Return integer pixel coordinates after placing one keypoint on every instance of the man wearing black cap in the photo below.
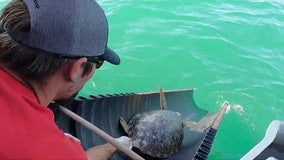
(48, 50)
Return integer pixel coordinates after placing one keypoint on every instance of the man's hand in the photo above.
(126, 141)
(106, 151)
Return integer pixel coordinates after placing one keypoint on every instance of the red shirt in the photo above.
(27, 129)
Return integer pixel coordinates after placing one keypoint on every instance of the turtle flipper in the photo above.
(197, 126)
(123, 124)
(193, 126)
(163, 101)
(189, 124)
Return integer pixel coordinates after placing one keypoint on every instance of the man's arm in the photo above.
(106, 151)
(101, 152)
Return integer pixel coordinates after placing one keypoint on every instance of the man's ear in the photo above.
(76, 69)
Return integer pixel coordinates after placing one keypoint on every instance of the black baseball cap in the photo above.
(74, 28)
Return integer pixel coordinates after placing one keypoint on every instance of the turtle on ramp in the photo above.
(157, 133)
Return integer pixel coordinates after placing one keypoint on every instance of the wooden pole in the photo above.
(101, 133)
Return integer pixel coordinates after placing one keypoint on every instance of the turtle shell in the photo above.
(156, 133)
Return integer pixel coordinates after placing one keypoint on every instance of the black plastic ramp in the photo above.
(104, 111)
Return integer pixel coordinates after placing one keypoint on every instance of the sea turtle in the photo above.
(157, 133)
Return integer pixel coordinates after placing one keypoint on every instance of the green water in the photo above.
(227, 50)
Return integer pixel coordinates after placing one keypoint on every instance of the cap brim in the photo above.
(111, 56)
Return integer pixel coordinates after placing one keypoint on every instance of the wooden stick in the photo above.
(101, 133)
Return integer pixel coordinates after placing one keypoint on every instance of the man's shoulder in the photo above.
(33, 133)
(28, 130)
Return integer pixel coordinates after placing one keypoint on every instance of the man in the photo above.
(49, 49)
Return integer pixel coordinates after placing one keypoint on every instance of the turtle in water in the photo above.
(157, 133)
